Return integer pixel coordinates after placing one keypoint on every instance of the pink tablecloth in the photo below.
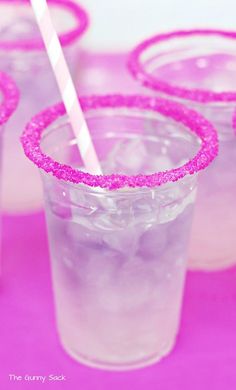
(204, 356)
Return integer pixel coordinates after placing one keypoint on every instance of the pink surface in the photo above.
(204, 356)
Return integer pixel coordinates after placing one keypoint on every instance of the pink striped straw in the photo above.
(66, 86)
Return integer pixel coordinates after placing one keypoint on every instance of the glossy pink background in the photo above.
(204, 356)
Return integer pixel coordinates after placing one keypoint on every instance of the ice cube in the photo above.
(132, 289)
(103, 222)
(158, 164)
(98, 269)
(153, 242)
(127, 157)
(179, 231)
(61, 210)
(145, 210)
(174, 201)
(124, 241)
(80, 234)
(114, 220)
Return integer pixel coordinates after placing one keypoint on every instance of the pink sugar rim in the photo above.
(10, 95)
(65, 38)
(32, 135)
(200, 95)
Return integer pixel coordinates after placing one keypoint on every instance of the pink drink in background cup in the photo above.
(197, 67)
(119, 242)
(25, 58)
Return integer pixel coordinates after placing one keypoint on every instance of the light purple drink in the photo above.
(24, 57)
(118, 242)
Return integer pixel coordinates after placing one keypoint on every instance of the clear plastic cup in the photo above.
(9, 98)
(197, 67)
(118, 242)
(23, 55)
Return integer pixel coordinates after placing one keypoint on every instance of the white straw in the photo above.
(66, 86)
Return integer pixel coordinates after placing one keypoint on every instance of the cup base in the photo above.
(216, 265)
(128, 366)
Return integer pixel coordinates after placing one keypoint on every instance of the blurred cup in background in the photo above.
(23, 55)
